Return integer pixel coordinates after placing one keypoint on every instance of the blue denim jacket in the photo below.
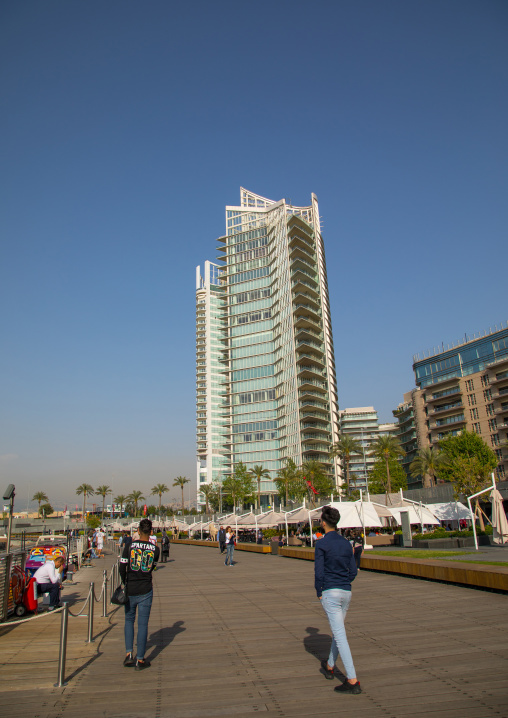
(334, 563)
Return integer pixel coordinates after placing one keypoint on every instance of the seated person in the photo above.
(49, 579)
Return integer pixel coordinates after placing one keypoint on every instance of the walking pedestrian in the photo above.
(138, 561)
(230, 546)
(334, 570)
(222, 539)
(165, 546)
(357, 546)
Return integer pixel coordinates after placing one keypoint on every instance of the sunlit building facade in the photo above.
(277, 392)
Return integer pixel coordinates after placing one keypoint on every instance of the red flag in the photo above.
(309, 484)
(144, 509)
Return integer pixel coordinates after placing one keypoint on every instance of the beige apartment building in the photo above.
(464, 386)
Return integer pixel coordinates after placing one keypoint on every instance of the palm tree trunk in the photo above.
(103, 502)
(347, 477)
(388, 483)
(183, 506)
(84, 504)
(259, 493)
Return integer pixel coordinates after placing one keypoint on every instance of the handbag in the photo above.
(120, 597)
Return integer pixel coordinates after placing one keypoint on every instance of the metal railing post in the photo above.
(105, 594)
(91, 599)
(63, 647)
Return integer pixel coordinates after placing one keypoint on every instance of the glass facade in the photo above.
(278, 396)
(471, 357)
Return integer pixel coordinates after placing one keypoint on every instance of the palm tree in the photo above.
(86, 490)
(181, 481)
(386, 448)
(314, 472)
(427, 463)
(259, 473)
(287, 477)
(39, 496)
(121, 499)
(207, 490)
(103, 491)
(135, 496)
(345, 448)
(159, 489)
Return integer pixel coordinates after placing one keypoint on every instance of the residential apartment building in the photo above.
(275, 386)
(465, 386)
(210, 389)
(362, 424)
(411, 431)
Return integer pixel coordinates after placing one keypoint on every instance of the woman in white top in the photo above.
(230, 546)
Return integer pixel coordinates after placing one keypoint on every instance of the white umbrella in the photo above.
(499, 521)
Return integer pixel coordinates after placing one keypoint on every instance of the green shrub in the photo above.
(268, 533)
(440, 533)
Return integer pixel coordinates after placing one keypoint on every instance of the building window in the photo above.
(500, 471)
(474, 413)
(499, 454)
(490, 409)
(471, 399)
(487, 394)
(492, 424)
(477, 428)
(469, 385)
(494, 438)
(485, 380)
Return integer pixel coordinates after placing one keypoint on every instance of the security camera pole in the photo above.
(9, 496)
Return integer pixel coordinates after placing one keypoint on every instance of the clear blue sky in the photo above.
(127, 127)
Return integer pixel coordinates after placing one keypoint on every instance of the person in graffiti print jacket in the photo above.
(137, 563)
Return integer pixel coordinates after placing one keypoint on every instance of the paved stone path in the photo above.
(249, 639)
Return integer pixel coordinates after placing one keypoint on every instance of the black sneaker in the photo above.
(141, 665)
(129, 661)
(328, 674)
(347, 687)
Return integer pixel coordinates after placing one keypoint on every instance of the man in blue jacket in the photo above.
(334, 570)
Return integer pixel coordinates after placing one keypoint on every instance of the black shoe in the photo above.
(329, 674)
(349, 688)
(141, 665)
(129, 661)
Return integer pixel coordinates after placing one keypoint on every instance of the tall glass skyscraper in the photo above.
(266, 385)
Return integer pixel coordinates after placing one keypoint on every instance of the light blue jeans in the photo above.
(230, 547)
(336, 602)
(144, 604)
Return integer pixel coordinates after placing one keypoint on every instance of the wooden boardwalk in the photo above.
(249, 639)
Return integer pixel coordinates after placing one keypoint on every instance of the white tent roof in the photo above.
(272, 518)
(450, 511)
(302, 514)
(417, 515)
(354, 514)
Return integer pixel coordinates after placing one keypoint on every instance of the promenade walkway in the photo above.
(249, 639)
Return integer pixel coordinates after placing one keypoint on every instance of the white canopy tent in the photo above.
(449, 511)
(418, 514)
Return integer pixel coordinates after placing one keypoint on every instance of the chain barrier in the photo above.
(65, 611)
(86, 600)
(6, 624)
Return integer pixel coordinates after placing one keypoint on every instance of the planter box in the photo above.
(453, 542)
